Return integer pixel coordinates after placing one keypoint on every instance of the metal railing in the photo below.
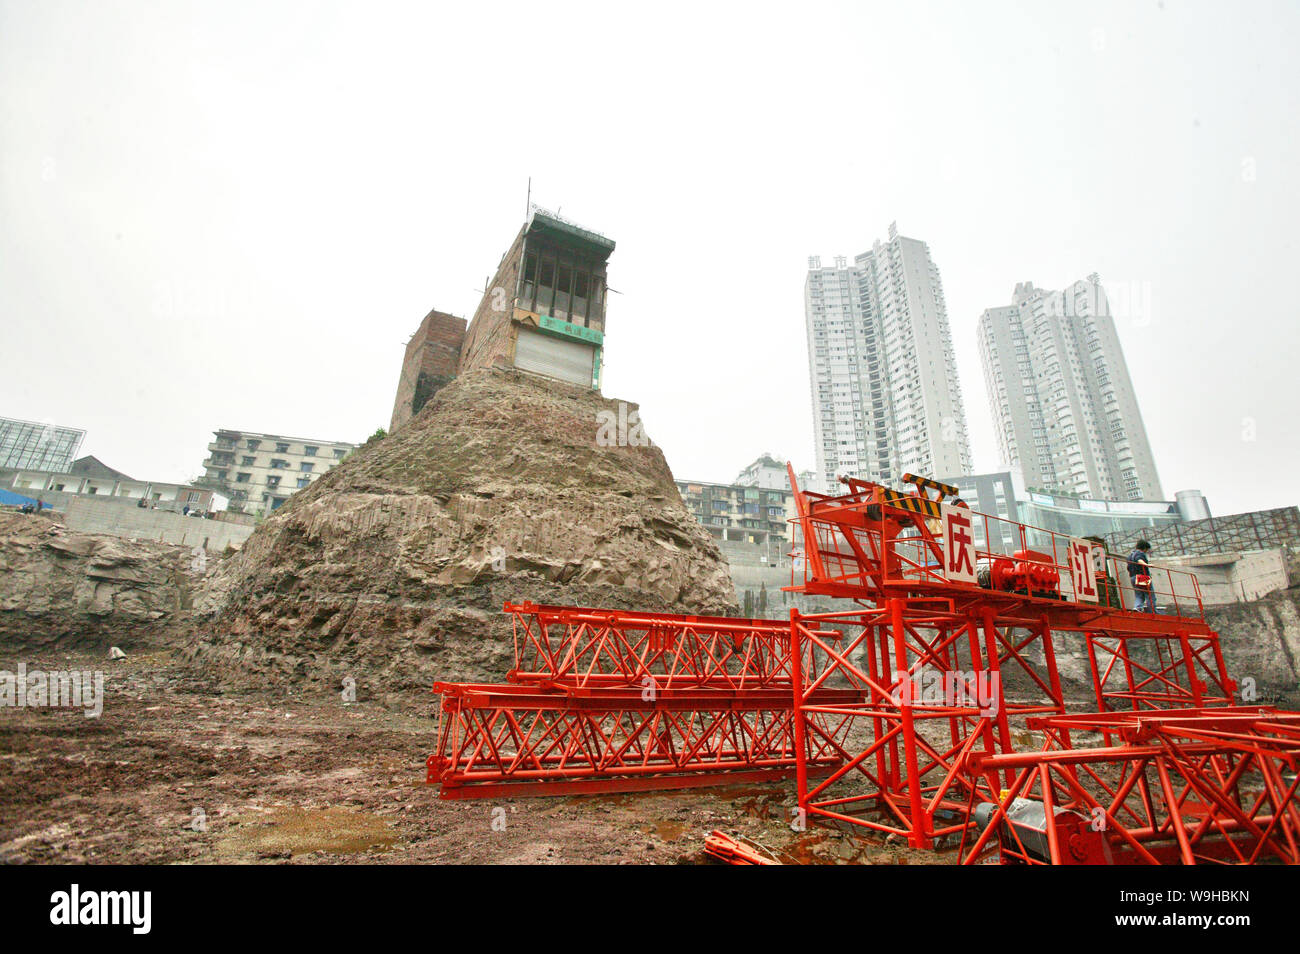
(859, 556)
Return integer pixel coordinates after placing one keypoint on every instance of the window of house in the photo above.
(593, 306)
(310, 450)
(242, 478)
(304, 481)
(563, 281)
(248, 461)
(305, 466)
(581, 281)
(279, 464)
(282, 448)
(254, 445)
(529, 280)
(273, 480)
(545, 286)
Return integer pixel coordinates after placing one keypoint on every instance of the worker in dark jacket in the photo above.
(1139, 572)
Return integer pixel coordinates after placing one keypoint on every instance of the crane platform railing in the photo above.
(874, 541)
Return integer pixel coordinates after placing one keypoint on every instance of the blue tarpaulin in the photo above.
(10, 499)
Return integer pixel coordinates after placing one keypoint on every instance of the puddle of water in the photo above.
(819, 846)
(669, 830)
(300, 830)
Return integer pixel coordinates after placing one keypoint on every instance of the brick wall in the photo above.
(432, 356)
(490, 340)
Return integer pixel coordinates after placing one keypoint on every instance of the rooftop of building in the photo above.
(91, 466)
(542, 220)
(237, 435)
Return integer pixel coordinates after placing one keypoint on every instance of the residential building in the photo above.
(544, 310)
(1063, 403)
(767, 471)
(89, 477)
(34, 445)
(259, 472)
(743, 515)
(885, 394)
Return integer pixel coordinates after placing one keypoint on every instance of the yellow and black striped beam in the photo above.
(911, 503)
(948, 489)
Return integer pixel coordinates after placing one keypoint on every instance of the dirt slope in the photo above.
(69, 590)
(393, 567)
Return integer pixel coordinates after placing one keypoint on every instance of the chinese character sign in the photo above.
(1081, 570)
(958, 544)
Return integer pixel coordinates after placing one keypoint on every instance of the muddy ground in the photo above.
(176, 770)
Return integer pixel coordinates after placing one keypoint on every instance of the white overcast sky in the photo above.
(234, 214)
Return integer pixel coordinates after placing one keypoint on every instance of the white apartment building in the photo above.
(261, 471)
(1063, 404)
(767, 471)
(883, 373)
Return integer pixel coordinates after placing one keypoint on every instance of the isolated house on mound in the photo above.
(543, 313)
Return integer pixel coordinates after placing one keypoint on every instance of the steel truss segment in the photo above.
(495, 746)
(616, 700)
(1186, 786)
(599, 648)
(933, 698)
(1173, 670)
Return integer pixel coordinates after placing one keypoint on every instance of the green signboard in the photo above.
(566, 329)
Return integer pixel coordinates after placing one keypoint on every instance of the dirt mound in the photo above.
(1261, 642)
(392, 568)
(67, 590)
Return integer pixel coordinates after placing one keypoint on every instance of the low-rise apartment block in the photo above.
(259, 472)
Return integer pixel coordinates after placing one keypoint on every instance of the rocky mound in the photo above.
(67, 590)
(1261, 642)
(392, 569)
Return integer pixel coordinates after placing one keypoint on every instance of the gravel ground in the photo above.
(175, 770)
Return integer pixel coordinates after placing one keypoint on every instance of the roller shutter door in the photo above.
(571, 361)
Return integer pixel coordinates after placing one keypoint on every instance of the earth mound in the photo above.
(392, 568)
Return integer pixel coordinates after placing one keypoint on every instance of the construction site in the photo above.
(497, 635)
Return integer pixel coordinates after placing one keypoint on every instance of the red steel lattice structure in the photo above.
(610, 700)
(1178, 786)
(933, 710)
(1182, 774)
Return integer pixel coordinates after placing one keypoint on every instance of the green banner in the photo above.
(567, 329)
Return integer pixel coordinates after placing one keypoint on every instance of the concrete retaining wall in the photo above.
(96, 516)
